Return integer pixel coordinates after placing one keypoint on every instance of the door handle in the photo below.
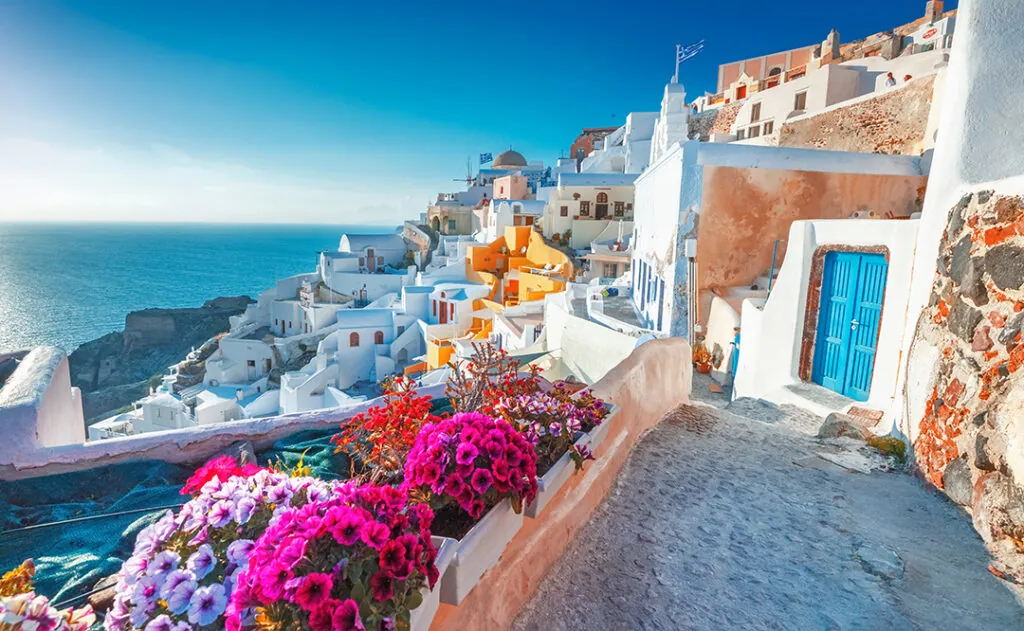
(853, 324)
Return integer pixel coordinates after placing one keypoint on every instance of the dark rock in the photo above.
(981, 456)
(242, 452)
(961, 257)
(933, 299)
(103, 600)
(837, 424)
(979, 419)
(1005, 264)
(938, 403)
(981, 341)
(984, 196)
(973, 283)
(956, 481)
(113, 369)
(1012, 328)
(957, 216)
(963, 319)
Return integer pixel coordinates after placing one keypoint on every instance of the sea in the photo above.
(65, 284)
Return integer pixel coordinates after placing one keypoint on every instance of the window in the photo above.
(380, 260)
(741, 134)
(629, 205)
(769, 127)
(435, 308)
(451, 310)
(501, 190)
(610, 270)
(353, 339)
(451, 224)
(275, 321)
(584, 209)
(800, 103)
(755, 113)
(564, 211)
(251, 363)
(378, 337)
(529, 220)
(362, 262)
(754, 131)
(517, 221)
(289, 324)
(620, 209)
(602, 198)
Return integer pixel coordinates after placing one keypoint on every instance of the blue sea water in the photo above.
(65, 284)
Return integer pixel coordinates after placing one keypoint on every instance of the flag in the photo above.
(485, 158)
(687, 52)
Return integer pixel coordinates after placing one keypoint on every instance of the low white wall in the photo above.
(771, 338)
(38, 406)
(587, 348)
(189, 445)
(721, 332)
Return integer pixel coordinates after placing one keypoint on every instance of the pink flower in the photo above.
(482, 480)
(314, 590)
(375, 534)
(346, 617)
(273, 579)
(476, 509)
(466, 453)
(392, 558)
(347, 525)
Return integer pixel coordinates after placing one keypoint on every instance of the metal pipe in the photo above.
(90, 518)
(771, 272)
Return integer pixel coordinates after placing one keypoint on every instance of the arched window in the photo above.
(353, 339)
(378, 337)
(775, 71)
(602, 198)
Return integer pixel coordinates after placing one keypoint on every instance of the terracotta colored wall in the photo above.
(894, 123)
(651, 382)
(745, 210)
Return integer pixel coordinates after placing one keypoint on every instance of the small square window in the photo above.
(754, 131)
(741, 134)
(769, 127)
(251, 363)
(800, 103)
(564, 211)
(584, 209)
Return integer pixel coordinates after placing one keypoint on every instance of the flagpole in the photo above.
(675, 77)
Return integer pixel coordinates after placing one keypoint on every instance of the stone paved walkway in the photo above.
(712, 525)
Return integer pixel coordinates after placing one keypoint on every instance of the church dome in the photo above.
(509, 160)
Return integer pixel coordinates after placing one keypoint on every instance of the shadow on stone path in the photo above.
(711, 525)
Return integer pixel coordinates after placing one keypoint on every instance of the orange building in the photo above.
(587, 141)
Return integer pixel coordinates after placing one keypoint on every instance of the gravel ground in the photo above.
(725, 519)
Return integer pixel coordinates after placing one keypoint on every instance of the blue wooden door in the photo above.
(852, 290)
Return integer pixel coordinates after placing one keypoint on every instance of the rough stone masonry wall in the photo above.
(716, 121)
(971, 435)
(893, 123)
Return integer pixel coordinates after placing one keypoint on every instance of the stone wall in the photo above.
(971, 437)
(716, 121)
(895, 122)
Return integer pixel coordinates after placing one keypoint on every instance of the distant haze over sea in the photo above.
(65, 284)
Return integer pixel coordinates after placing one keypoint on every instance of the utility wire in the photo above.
(135, 511)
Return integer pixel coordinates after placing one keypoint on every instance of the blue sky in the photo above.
(339, 112)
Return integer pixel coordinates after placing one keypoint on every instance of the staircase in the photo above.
(735, 296)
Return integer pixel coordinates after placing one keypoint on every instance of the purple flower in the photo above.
(171, 582)
(179, 598)
(481, 480)
(244, 510)
(133, 569)
(162, 622)
(163, 563)
(219, 514)
(279, 494)
(239, 551)
(207, 604)
(201, 563)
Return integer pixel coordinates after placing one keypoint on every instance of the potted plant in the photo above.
(701, 358)
(185, 566)
(359, 558)
(21, 609)
(477, 473)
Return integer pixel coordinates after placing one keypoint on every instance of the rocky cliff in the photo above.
(112, 370)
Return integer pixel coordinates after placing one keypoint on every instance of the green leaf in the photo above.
(354, 571)
(358, 591)
(414, 600)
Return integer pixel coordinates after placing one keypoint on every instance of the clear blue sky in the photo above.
(340, 111)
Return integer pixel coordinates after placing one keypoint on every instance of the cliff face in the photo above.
(112, 370)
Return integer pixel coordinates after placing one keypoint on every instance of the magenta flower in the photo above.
(347, 526)
(382, 587)
(466, 453)
(346, 617)
(314, 589)
(375, 534)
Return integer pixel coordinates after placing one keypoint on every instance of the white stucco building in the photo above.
(587, 204)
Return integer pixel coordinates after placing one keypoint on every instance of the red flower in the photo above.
(346, 617)
(392, 558)
(321, 619)
(382, 587)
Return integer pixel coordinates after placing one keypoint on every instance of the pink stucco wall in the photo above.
(745, 210)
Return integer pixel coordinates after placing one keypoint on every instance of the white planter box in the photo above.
(549, 483)
(479, 551)
(597, 435)
(422, 616)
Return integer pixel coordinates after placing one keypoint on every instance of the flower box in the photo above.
(549, 483)
(479, 551)
(597, 435)
(422, 617)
